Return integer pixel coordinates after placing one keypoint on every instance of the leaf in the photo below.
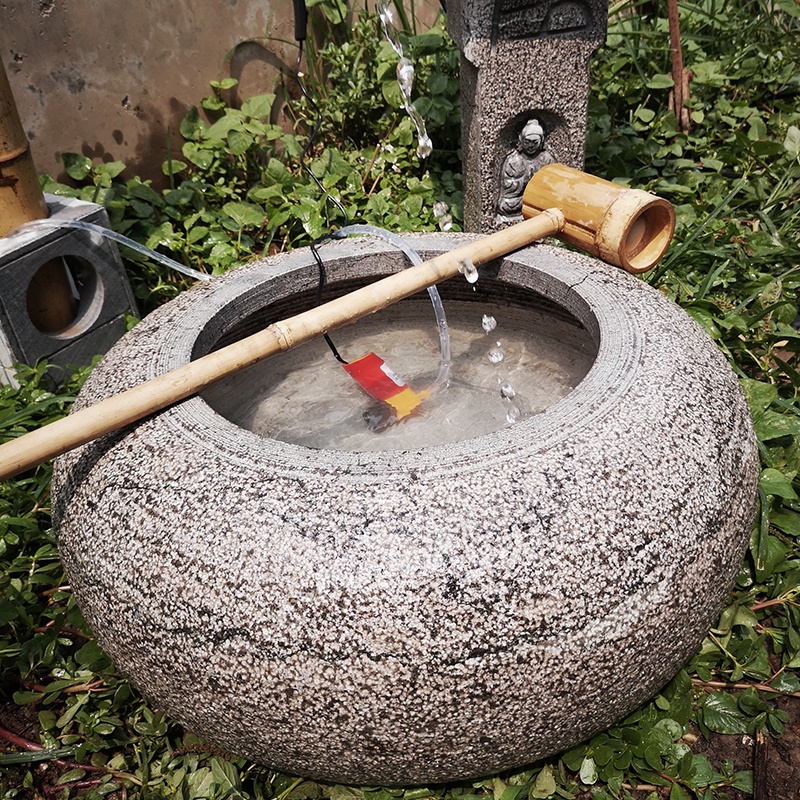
(574, 758)
(239, 142)
(391, 93)
(173, 167)
(759, 395)
(721, 714)
(545, 785)
(792, 141)
(110, 169)
(775, 483)
(588, 772)
(677, 792)
(225, 83)
(192, 125)
(199, 156)
(259, 106)
(787, 521)
(245, 214)
(226, 776)
(758, 129)
(23, 698)
(76, 165)
(71, 775)
(772, 425)
(338, 792)
(660, 82)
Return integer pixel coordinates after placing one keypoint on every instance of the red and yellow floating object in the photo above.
(380, 381)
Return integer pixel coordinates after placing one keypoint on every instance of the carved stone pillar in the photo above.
(521, 60)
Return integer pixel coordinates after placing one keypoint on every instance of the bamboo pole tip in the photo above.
(636, 230)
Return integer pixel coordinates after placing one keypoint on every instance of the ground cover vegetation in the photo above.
(70, 726)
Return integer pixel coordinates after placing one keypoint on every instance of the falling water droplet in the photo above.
(496, 354)
(405, 75)
(488, 323)
(440, 213)
(507, 390)
(468, 270)
(513, 414)
(425, 146)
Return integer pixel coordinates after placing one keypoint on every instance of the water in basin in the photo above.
(305, 397)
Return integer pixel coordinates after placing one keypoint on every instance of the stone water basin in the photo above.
(414, 614)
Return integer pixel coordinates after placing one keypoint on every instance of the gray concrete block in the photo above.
(104, 295)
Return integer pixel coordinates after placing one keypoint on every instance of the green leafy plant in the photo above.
(236, 188)
(240, 188)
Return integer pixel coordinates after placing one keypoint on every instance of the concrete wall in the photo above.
(107, 78)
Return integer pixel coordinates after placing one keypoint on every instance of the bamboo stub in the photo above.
(626, 227)
(50, 304)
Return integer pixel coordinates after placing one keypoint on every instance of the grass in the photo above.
(73, 727)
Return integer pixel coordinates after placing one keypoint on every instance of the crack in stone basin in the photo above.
(305, 397)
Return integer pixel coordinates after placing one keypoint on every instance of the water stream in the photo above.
(405, 78)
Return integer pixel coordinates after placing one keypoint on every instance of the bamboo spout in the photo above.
(625, 227)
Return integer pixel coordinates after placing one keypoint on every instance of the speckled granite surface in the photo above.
(422, 616)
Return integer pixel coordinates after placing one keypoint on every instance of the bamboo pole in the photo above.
(123, 409)
(626, 227)
(21, 199)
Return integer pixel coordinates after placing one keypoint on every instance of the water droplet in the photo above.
(507, 390)
(425, 146)
(445, 223)
(496, 355)
(488, 323)
(468, 270)
(405, 75)
(439, 209)
(513, 414)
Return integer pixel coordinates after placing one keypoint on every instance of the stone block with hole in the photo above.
(100, 295)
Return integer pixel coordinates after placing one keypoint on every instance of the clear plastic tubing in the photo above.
(366, 230)
(433, 292)
(99, 230)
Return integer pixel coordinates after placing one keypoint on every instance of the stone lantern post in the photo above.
(524, 93)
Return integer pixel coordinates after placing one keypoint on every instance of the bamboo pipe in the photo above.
(120, 410)
(595, 220)
(625, 227)
(51, 306)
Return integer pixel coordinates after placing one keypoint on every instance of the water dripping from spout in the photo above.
(488, 323)
(468, 270)
(496, 354)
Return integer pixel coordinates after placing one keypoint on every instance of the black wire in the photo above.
(317, 124)
(320, 286)
(327, 195)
